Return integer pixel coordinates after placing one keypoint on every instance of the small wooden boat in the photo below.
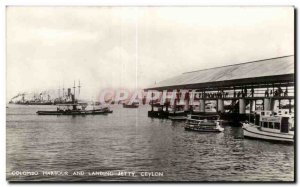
(132, 105)
(203, 123)
(270, 128)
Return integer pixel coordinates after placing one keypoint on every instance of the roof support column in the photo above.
(242, 106)
(267, 104)
(221, 105)
(202, 105)
(290, 106)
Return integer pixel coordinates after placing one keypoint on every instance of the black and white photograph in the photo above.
(150, 94)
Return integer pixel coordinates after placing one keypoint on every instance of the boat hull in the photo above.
(251, 131)
(33, 103)
(177, 118)
(203, 130)
(87, 112)
(130, 106)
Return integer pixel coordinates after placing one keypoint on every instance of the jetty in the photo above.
(235, 89)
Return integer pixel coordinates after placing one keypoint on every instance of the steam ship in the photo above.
(69, 105)
(37, 99)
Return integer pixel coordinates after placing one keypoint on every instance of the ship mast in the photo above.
(79, 88)
(74, 89)
(59, 91)
(63, 89)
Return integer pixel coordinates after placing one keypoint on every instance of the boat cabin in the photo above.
(71, 107)
(203, 123)
(264, 112)
(276, 124)
(283, 112)
(202, 120)
(203, 117)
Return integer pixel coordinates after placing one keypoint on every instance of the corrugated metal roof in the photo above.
(262, 68)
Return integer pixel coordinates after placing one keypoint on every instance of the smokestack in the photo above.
(69, 92)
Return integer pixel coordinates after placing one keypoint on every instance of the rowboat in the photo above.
(132, 105)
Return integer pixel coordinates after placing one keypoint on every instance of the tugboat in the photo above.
(269, 127)
(203, 123)
(74, 108)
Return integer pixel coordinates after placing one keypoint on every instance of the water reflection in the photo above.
(130, 142)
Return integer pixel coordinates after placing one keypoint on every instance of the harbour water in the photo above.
(129, 141)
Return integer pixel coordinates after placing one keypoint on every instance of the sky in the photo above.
(134, 47)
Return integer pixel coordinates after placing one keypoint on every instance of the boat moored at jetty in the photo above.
(269, 127)
(177, 115)
(177, 118)
(203, 123)
(132, 105)
(286, 113)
